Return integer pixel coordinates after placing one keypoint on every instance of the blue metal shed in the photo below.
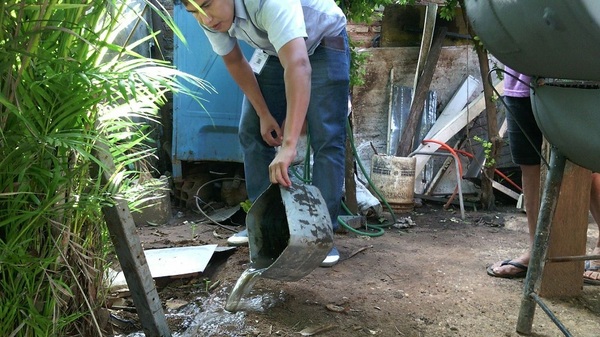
(206, 133)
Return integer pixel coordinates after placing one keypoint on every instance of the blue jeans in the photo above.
(326, 118)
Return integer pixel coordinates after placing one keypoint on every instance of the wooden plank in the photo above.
(446, 166)
(349, 173)
(505, 190)
(456, 104)
(426, 40)
(132, 259)
(446, 126)
(568, 235)
(450, 122)
(400, 97)
(392, 125)
(421, 92)
(370, 101)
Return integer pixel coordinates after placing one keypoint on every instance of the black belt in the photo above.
(334, 42)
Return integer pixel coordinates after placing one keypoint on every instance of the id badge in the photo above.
(258, 60)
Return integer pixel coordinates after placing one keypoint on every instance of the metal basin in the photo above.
(545, 38)
(289, 232)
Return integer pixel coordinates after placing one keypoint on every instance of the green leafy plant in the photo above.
(246, 205)
(357, 70)
(490, 161)
(359, 11)
(74, 88)
(193, 226)
(447, 11)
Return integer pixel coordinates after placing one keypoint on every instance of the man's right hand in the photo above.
(271, 131)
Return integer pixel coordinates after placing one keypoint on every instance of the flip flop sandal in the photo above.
(589, 267)
(520, 274)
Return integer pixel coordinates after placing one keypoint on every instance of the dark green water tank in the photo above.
(545, 38)
(557, 42)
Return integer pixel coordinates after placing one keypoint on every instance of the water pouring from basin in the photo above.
(242, 287)
(289, 234)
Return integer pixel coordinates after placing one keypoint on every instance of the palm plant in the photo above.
(71, 85)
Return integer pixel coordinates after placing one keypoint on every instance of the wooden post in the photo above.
(568, 231)
(426, 39)
(568, 235)
(132, 259)
(349, 182)
(421, 91)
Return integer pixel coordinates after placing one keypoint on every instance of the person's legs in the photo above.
(326, 117)
(522, 132)
(530, 176)
(592, 273)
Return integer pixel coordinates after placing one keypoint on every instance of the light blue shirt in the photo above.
(270, 24)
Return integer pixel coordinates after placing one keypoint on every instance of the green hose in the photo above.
(378, 228)
(373, 230)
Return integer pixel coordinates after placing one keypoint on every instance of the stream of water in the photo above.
(242, 287)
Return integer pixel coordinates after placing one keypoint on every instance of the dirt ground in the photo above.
(426, 280)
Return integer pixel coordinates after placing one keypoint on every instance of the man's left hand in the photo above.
(278, 169)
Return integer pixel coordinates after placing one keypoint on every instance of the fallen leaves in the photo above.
(312, 331)
(335, 308)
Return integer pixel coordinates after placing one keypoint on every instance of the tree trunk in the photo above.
(487, 191)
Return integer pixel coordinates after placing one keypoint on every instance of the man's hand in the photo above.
(270, 131)
(278, 169)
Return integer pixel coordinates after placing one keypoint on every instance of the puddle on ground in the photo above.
(210, 318)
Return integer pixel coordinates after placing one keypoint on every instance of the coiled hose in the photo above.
(372, 230)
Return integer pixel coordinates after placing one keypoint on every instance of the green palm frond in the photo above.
(73, 83)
